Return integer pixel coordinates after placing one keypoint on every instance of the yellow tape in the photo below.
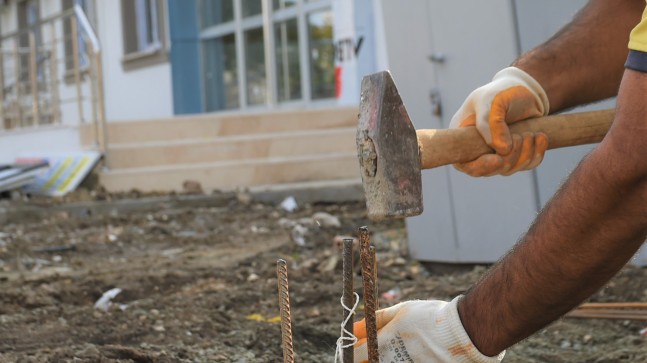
(57, 174)
(70, 177)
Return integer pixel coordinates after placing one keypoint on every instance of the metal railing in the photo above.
(51, 73)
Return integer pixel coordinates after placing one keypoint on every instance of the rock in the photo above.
(159, 326)
(252, 277)
(313, 313)
(330, 264)
(187, 233)
(415, 270)
(309, 263)
(192, 187)
(326, 220)
(88, 350)
(298, 234)
(256, 229)
(307, 221)
(394, 240)
(398, 261)
(243, 196)
(286, 223)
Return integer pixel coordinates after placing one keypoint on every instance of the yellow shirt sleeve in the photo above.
(638, 37)
(637, 57)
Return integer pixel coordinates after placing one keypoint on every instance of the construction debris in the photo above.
(15, 176)
(105, 301)
(289, 204)
(208, 272)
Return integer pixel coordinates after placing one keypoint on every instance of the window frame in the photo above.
(268, 18)
(23, 29)
(84, 65)
(156, 54)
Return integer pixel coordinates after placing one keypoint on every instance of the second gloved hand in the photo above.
(420, 331)
(513, 95)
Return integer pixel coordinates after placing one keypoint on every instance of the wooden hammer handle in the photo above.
(449, 146)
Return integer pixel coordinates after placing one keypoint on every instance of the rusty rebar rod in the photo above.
(284, 306)
(614, 305)
(348, 296)
(624, 314)
(371, 249)
(369, 295)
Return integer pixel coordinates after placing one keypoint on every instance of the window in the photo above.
(235, 51)
(216, 12)
(288, 70)
(28, 19)
(281, 4)
(88, 8)
(143, 31)
(255, 66)
(251, 8)
(322, 52)
(221, 76)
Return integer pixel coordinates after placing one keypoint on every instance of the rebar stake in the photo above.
(369, 295)
(284, 306)
(348, 296)
(377, 293)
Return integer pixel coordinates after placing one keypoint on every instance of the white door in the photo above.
(408, 36)
(470, 41)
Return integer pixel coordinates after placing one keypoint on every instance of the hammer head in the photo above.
(387, 148)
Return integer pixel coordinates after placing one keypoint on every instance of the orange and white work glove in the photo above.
(420, 331)
(513, 95)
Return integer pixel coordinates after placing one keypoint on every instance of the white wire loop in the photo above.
(345, 335)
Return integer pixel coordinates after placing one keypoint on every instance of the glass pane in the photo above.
(322, 53)
(255, 66)
(281, 4)
(251, 7)
(214, 12)
(220, 73)
(288, 72)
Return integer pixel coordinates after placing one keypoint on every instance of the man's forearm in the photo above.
(583, 62)
(590, 229)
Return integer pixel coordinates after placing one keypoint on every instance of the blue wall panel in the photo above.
(185, 56)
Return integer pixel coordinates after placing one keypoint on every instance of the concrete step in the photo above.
(242, 147)
(229, 175)
(211, 125)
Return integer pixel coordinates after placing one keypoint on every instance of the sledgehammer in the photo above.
(392, 152)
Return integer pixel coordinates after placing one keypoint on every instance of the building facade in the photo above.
(213, 78)
(252, 93)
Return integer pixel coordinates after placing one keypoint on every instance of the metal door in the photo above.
(470, 41)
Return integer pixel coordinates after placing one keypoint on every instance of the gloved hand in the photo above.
(420, 331)
(513, 95)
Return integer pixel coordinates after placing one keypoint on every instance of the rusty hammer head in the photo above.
(388, 153)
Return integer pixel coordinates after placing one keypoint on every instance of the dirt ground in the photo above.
(199, 285)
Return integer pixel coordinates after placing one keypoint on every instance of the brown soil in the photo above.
(199, 285)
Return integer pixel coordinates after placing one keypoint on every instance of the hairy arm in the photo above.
(589, 230)
(583, 62)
